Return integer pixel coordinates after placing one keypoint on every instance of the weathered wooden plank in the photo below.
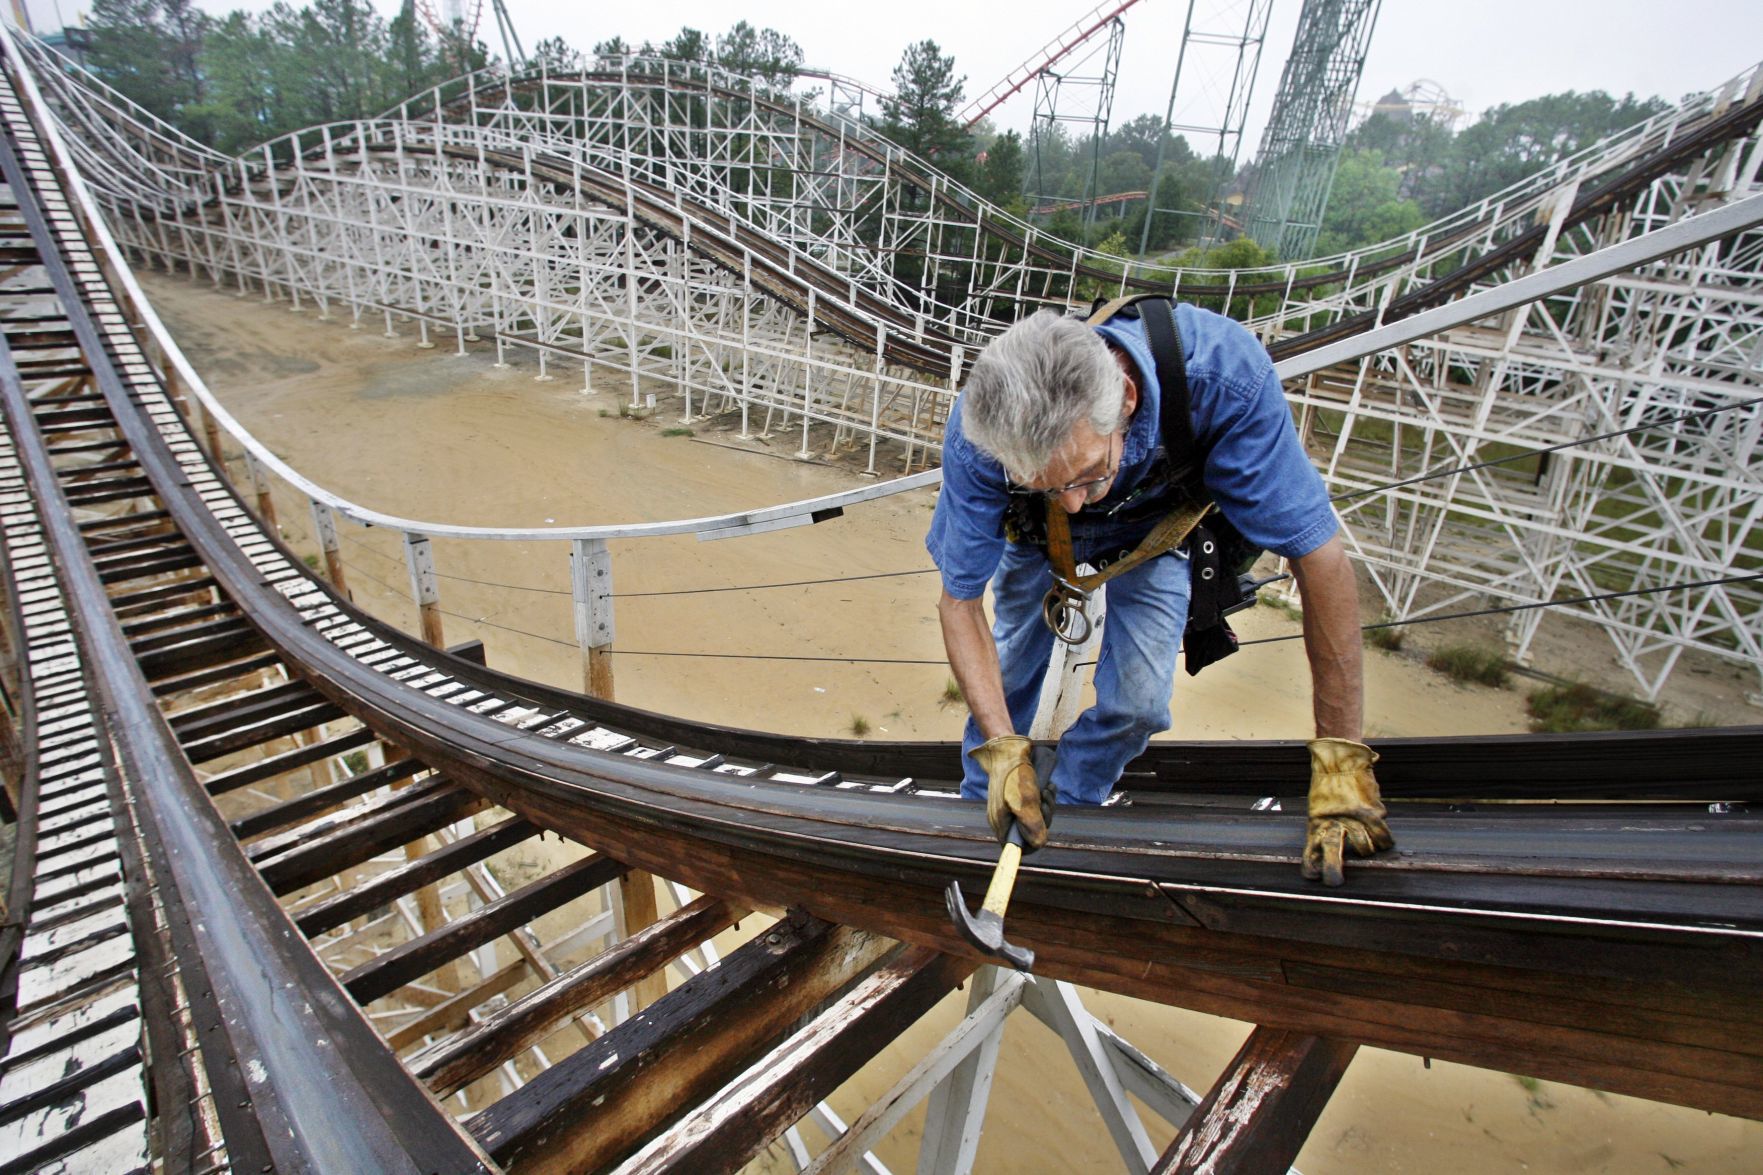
(157, 595)
(404, 963)
(239, 708)
(305, 835)
(1259, 1113)
(504, 1034)
(387, 887)
(358, 842)
(452, 1014)
(320, 800)
(603, 1101)
(149, 568)
(724, 1133)
(265, 729)
(201, 648)
(214, 675)
(274, 765)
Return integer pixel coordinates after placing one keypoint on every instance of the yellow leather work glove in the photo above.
(1346, 811)
(1013, 792)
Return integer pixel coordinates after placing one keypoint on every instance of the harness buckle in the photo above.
(1065, 608)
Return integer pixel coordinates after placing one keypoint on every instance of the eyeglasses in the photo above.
(1087, 485)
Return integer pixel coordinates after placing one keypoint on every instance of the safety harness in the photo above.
(1219, 554)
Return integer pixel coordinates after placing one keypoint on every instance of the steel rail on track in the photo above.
(324, 1093)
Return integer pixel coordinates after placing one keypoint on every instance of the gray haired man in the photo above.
(1060, 414)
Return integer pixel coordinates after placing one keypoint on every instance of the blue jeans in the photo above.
(1147, 611)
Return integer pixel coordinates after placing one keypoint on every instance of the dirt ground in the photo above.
(430, 435)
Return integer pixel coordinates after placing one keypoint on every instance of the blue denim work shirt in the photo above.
(1256, 468)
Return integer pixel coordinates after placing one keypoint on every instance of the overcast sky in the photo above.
(1482, 53)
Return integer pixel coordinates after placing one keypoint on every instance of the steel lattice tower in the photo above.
(1081, 97)
(1303, 139)
(1220, 62)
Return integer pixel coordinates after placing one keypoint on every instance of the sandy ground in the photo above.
(430, 435)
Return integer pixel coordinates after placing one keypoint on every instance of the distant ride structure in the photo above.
(837, 294)
(1295, 166)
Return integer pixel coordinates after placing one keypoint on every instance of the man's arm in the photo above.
(1332, 639)
(967, 639)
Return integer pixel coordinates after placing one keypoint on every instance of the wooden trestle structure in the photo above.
(167, 995)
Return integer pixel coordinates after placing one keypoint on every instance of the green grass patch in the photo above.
(676, 432)
(1269, 598)
(355, 762)
(951, 695)
(310, 561)
(1388, 639)
(859, 725)
(1470, 664)
(1565, 709)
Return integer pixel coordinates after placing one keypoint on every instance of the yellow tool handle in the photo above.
(1003, 880)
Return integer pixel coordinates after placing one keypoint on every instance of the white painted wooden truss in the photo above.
(679, 231)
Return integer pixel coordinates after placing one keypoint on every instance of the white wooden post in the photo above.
(424, 588)
(324, 528)
(590, 582)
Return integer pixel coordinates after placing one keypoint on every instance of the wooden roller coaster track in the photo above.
(219, 751)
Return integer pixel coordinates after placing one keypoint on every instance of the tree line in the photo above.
(241, 79)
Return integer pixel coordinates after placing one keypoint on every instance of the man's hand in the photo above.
(1345, 808)
(1013, 792)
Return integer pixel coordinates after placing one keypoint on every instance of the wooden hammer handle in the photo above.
(1003, 879)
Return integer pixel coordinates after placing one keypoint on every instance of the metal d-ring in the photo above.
(1065, 609)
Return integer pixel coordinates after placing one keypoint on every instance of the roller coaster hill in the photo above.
(252, 923)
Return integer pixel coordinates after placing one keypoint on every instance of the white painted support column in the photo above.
(807, 371)
(260, 489)
(590, 582)
(1057, 1005)
(957, 1108)
(324, 529)
(875, 391)
(425, 588)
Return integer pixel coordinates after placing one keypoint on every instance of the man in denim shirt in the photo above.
(1072, 412)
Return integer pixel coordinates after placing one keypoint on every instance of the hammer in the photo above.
(985, 931)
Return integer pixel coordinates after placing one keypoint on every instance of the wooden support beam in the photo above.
(162, 594)
(200, 648)
(320, 800)
(956, 1109)
(504, 1034)
(274, 765)
(1258, 1115)
(196, 721)
(294, 718)
(420, 814)
(1057, 1005)
(405, 962)
(600, 1103)
(456, 1012)
(425, 870)
(744, 1117)
(637, 912)
(224, 673)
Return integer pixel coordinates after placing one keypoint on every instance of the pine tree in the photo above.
(921, 114)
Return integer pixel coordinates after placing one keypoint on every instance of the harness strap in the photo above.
(1065, 607)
